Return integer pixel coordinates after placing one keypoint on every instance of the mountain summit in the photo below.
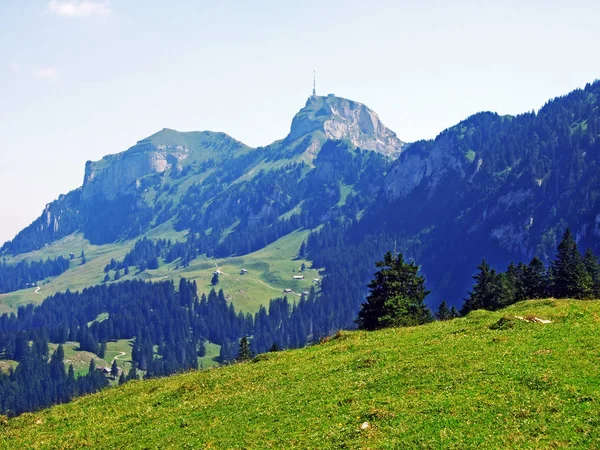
(341, 119)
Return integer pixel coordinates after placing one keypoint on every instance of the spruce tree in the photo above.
(215, 279)
(592, 267)
(245, 354)
(536, 280)
(515, 275)
(443, 313)
(397, 295)
(92, 367)
(491, 291)
(114, 369)
(454, 313)
(132, 374)
(569, 277)
(274, 347)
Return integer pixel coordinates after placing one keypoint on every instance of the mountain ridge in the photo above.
(491, 186)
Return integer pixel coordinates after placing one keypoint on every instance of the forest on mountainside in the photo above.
(517, 184)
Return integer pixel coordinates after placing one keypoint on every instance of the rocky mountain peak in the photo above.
(339, 118)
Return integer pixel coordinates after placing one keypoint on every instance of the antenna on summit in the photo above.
(314, 83)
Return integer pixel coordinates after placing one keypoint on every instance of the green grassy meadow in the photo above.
(490, 380)
(80, 360)
(270, 270)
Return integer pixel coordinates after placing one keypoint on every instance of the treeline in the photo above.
(144, 255)
(528, 175)
(41, 380)
(570, 275)
(170, 327)
(26, 274)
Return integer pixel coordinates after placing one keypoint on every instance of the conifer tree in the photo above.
(491, 291)
(593, 269)
(569, 277)
(536, 280)
(454, 313)
(92, 367)
(515, 276)
(114, 369)
(397, 296)
(302, 251)
(132, 374)
(274, 347)
(443, 313)
(215, 279)
(245, 354)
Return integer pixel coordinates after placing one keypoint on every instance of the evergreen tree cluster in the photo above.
(518, 182)
(169, 326)
(570, 275)
(144, 255)
(26, 274)
(397, 295)
(40, 381)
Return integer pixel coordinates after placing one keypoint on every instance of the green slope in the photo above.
(459, 384)
(270, 270)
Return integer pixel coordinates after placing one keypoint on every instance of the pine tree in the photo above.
(592, 267)
(114, 369)
(536, 280)
(443, 313)
(515, 276)
(302, 251)
(274, 347)
(92, 367)
(454, 313)
(245, 354)
(215, 279)
(491, 291)
(122, 378)
(569, 277)
(132, 374)
(396, 298)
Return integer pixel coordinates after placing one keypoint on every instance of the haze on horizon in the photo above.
(84, 78)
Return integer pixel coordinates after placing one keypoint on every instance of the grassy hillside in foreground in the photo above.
(489, 380)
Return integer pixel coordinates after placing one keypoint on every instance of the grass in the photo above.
(79, 359)
(345, 190)
(470, 156)
(209, 360)
(7, 364)
(458, 384)
(270, 270)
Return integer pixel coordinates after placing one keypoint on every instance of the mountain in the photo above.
(489, 380)
(503, 188)
(340, 119)
(126, 194)
(209, 194)
(346, 189)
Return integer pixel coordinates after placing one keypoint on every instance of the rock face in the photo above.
(339, 118)
(418, 165)
(115, 175)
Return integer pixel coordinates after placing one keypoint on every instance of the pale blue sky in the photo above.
(81, 79)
